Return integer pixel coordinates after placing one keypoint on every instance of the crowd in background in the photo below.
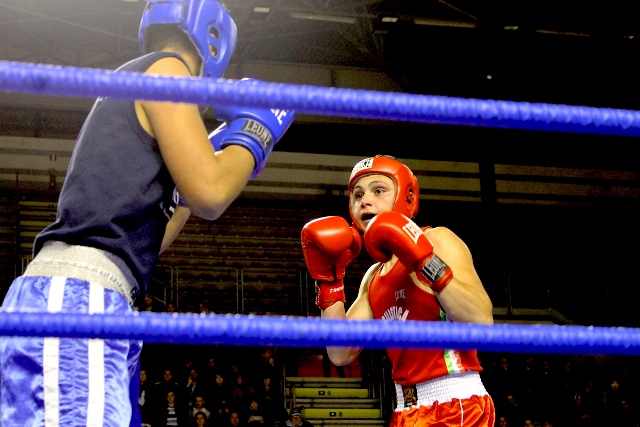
(235, 386)
(216, 386)
(562, 390)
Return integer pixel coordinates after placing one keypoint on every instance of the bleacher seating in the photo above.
(272, 291)
(259, 241)
(330, 401)
(217, 288)
(33, 217)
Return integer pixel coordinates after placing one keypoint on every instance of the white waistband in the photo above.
(84, 263)
(443, 389)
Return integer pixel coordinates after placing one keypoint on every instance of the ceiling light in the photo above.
(511, 27)
(439, 23)
(329, 18)
(389, 19)
(261, 9)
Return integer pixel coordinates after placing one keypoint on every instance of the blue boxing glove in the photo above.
(258, 130)
(215, 138)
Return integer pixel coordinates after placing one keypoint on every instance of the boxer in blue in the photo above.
(118, 209)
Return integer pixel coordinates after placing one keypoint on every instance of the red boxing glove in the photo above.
(391, 233)
(329, 245)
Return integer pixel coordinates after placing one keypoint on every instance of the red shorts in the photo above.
(476, 411)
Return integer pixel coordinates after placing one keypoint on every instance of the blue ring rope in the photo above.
(365, 104)
(250, 330)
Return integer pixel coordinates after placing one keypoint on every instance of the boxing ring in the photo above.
(285, 331)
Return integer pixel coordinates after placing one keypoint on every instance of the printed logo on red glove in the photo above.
(434, 269)
(412, 231)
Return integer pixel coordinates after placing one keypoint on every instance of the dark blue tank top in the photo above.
(118, 195)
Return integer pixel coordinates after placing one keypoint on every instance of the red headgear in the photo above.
(407, 187)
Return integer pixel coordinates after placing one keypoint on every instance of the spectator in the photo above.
(203, 308)
(547, 377)
(198, 407)
(210, 370)
(530, 404)
(200, 419)
(550, 391)
(505, 378)
(148, 304)
(219, 391)
(512, 410)
(221, 413)
(256, 416)
(145, 398)
(568, 380)
(530, 374)
(579, 415)
(626, 416)
(170, 415)
(194, 389)
(612, 397)
(271, 400)
(297, 420)
(161, 388)
(238, 400)
(235, 420)
(591, 400)
(267, 364)
(184, 373)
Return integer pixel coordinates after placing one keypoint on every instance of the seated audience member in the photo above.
(198, 406)
(171, 415)
(234, 421)
(200, 419)
(256, 416)
(297, 420)
(219, 391)
(145, 405)
(148, 304)
(161, 388)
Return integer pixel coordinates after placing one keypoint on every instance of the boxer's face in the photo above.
(371, 195)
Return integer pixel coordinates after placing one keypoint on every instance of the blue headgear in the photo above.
(207, 23)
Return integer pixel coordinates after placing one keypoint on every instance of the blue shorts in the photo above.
(68, 382)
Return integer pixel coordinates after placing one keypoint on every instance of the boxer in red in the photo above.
(422, 273)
